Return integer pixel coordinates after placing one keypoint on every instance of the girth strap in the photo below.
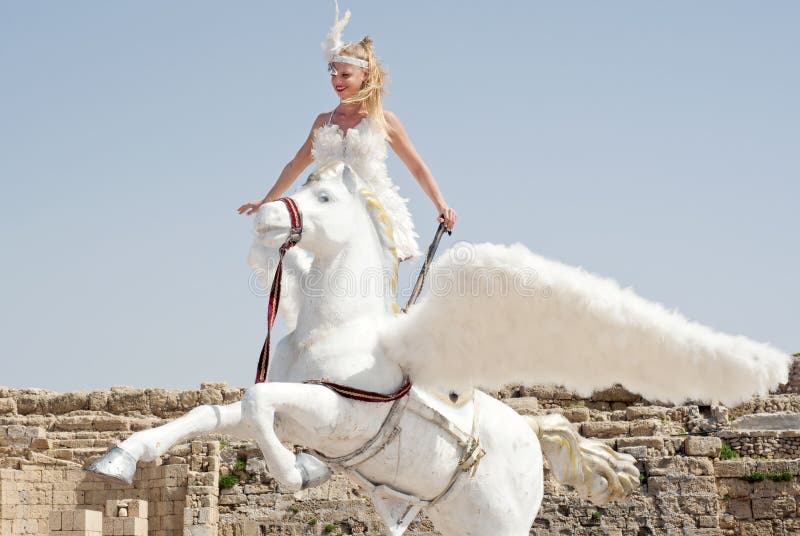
(361, 395)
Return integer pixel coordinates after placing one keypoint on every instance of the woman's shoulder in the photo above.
(390, 118)
(321, 119)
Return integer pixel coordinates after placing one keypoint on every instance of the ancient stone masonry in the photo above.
(215, 485)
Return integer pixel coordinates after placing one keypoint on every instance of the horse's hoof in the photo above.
(116, 465)
(313, 471)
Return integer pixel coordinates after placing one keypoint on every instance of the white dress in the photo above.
(364, 149)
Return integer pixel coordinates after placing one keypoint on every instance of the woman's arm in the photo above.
(290, 172)
(402, 146)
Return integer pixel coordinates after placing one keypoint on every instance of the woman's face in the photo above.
(347, 80)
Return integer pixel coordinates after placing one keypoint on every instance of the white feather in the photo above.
(333, 41)
(559, 324)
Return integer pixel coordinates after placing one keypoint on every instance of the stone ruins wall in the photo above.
(214, 485)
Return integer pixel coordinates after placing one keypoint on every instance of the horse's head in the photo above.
(337, 207)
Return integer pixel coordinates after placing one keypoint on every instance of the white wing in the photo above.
(495, 315)
(296, 262)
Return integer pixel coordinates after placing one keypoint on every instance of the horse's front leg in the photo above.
(119, 463)
(311, 416)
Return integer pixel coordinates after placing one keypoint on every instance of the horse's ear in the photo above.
(349, 179)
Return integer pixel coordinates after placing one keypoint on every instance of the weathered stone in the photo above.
(647, 427)
(616, 393)
(774, 507)
(653, 442)
(98, 400)
(734, 488)
(605, 429)
(110, 423)
(7, 405)
(188, 399)
(703, 446)
(526, 405)
(28, 404)
(733, 468)
(210, 396)
(66, 402)
(640, 452)
(740, 508)
(127, 400)
(671, 465)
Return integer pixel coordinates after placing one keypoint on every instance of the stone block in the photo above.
(580, 414)
(55, 520)
(672, 465)
(773, 507)
(653, 442)
(640, 452)
(527, 405)
(646, 412)
(605, 429)
(88, 520)
(703, 446)
(740, 508)
(210, 396)
(734, 488)
(134, 526)
(66, 520)
(98, 400)
(616, 393)
(66, 402)
(104, 423)
(127, 400)
(644, 427)
(137, 508)
(733, 468)
(8, 406)
(41, 443)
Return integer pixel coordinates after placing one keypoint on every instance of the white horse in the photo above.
(473, 464)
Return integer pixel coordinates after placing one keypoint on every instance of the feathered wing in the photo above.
(495, 315)
(296, 262)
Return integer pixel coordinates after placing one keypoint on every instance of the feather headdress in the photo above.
(333, 41)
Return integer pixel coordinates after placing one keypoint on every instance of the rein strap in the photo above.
(275, 291)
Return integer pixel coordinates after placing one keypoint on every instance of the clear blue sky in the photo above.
(655, 143)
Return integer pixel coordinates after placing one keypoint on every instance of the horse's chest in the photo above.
(327, 354)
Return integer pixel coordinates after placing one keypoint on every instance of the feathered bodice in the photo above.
(363, 147)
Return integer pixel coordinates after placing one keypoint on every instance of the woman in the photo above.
(357, 132)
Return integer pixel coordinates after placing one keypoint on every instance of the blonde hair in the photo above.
(373, 87)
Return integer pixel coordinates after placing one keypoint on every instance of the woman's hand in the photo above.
(449, 217)
(250, 208)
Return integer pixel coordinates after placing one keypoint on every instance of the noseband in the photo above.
(295, 233)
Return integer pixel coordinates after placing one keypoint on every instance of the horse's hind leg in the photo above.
(120, 462)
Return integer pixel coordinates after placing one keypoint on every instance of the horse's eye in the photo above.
(323, 197)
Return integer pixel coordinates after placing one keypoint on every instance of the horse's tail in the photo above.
(597, 472)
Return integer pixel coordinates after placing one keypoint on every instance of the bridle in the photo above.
(295, 234)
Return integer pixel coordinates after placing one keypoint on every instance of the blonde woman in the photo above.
(357, 132)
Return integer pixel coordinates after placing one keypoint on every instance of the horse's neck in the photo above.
(351, 287)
